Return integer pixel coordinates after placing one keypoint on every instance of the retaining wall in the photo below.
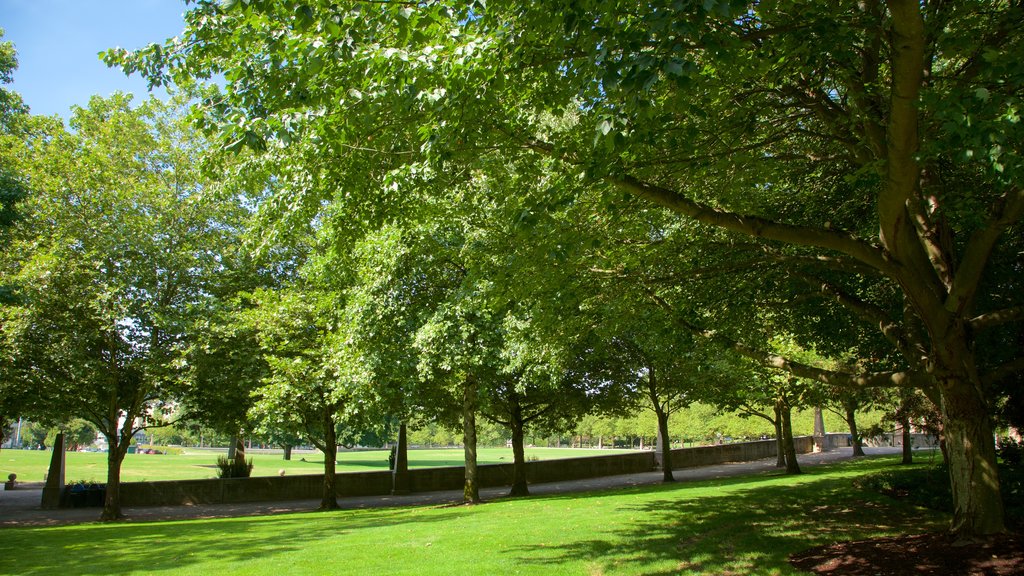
(310, 486)
(740, 452)
(918, 440)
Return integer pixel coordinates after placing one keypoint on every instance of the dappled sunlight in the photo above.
(735, 526)
(743, 525)
(173, 546)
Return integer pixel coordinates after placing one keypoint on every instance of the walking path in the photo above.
(21, 507)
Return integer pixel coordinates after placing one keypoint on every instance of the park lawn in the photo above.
(31, 465)
(746, 525)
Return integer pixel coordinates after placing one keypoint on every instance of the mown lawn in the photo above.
(747, 525)
(31, 465)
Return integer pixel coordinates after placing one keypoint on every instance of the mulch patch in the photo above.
(917, 555)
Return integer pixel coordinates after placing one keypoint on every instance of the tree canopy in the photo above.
(870, 150)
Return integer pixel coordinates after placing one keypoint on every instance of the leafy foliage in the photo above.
(863, 160)
(237, 467)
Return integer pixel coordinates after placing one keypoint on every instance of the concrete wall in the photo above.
(310, 486)
(840, 440)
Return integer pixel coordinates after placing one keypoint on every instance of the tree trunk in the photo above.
(792, 466)
(662, 442)
(905, 440)
(666, 446)
(287, 452)
(855, 439)
(974, 478)
(329, 501)
(780, 442)
(400, 475)
(519, 487)
(112, 498)
(471, 488)
(117, 447)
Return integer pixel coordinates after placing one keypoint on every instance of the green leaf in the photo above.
(673, 67)
(303, 17)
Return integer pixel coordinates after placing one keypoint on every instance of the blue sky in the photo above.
(58, 41)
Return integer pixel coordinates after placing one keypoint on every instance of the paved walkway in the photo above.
(21, 507)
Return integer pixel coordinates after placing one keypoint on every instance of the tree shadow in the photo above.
(173, 546)
(752, 527)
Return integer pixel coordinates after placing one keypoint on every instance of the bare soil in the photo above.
(918, 555)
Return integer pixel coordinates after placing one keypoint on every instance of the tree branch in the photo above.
(759, 227)
(897, 229)
(772, 360)
(997, 318)
(869, 312)
(965, 285)
(752, 412)
(1004, 371)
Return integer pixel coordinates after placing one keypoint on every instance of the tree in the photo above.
(459, 350)
(13, 189)
(224, 361)
(402, 276)
(861, 143)
(13, 115)
(304, 392)
(119, 249)
(529, 393)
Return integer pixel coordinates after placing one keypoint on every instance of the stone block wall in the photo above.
(378, 483)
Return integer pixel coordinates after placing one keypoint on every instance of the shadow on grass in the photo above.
(747, 525)
(169, 547)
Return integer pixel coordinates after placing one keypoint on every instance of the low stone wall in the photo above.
(537, 472)
(840, 440)
(310, 486)
(255, 489)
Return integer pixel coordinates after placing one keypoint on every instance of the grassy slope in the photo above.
(31, 465)
(740, 526)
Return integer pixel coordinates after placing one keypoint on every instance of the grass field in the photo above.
(31, 465)
(747, 525)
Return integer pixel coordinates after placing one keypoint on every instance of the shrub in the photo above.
(1011, 479)
(927, 487)
(237, 467)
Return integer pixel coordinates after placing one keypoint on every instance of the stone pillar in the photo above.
(54, 487)
(819, 431)
(400, 474)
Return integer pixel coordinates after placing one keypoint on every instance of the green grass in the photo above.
(747, 525)
(31, 465)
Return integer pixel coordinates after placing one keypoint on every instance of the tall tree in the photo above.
(13, 115)
(120, 248)
(304, 392)
(12, 190)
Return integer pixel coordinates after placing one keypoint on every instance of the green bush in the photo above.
(927, 487)
(237, 467)
(1011, 480)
